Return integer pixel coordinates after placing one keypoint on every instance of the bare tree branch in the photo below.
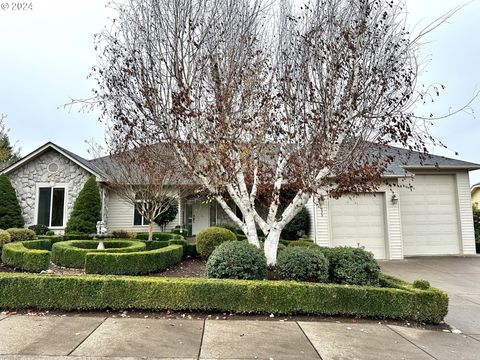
(260, 98)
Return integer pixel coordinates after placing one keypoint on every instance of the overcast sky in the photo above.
(47, 53)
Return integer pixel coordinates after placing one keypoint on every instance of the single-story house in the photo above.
(430, 214)
(475, 191)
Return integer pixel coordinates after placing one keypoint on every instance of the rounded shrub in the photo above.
(210, 238)
(50, 233)
(303, 264)
(237, 260)
(353, 266)
(421, 284)
(20, 234)
(302, 243)
(4, 237)
(39, 229)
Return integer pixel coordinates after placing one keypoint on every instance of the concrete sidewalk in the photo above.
(96, 337)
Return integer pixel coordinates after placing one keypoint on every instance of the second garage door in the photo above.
(359, 221)
(429, 216)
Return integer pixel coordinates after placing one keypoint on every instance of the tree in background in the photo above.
(8, 153)
(146, 177)
(258, 96)
(299, 226)
(10, 211)
(163, 219)
(476, 226)
(86, 210)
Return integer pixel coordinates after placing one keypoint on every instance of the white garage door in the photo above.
(359, 220)
(429, 216)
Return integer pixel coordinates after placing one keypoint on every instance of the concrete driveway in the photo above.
(458, 276)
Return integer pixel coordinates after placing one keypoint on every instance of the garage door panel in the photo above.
(429, 216)
(359, 221)
(363, 233)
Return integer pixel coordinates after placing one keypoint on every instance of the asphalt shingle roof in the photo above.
(404, 161)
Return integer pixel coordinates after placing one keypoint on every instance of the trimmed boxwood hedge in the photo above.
(155, 244)
(158, 236)
(134, 263)
(35, 255)
(25, 255)
(72, 253)
(77, 236)
(31, 255)
(97, 292)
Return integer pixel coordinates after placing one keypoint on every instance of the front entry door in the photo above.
(200, 217)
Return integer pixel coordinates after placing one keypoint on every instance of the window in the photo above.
(51, 206)
(138, 219)
(213, 214)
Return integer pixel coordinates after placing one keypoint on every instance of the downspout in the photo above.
(314, 220)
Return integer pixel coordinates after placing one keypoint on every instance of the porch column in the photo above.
(180, 214)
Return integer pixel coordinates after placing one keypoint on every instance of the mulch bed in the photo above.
(186, 268)
(5, 268)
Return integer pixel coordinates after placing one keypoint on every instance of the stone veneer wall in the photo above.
(25, 178)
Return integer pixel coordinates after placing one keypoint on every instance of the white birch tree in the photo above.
(258, 98)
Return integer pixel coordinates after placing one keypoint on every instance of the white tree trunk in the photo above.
(271, 245)
(150, 231)
(273, 237)
(251, 228)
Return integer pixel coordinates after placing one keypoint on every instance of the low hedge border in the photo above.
(158, 236)
(35, 255)
(31, 255)
(155, 244)
(97, 292)
(71, 254)
(134, 263)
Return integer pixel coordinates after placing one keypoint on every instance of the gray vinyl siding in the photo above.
(465, 214)
(120, 216)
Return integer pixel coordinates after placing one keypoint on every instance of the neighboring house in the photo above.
(475, 191)
(432, 218)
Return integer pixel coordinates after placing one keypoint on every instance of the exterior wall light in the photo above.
(394, 199)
